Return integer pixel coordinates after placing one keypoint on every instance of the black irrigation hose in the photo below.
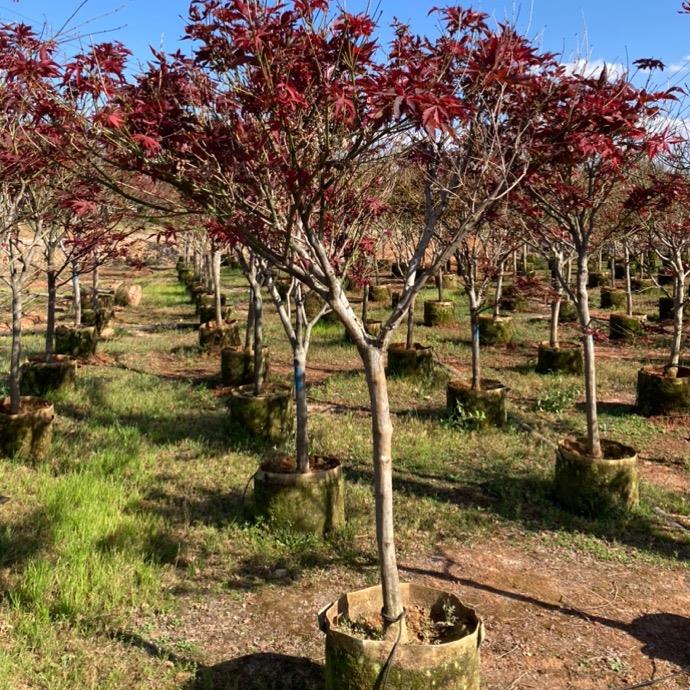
(246, 488)
(650, 683)
(391, 657)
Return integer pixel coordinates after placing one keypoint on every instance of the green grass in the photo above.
(142, 495)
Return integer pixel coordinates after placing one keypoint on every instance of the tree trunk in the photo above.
(382, 434)
(556, 273)
(249, 333)
(476, 363)
(555, 315)
(299, 356)
(76, 290)
(613, 269)
(439, 285)
(258, 340)
(593, 436)
(216, 289)
(499, 290)
(628, 284)
(50, 316)
(515, 263)
(409, 342)
(94, 287)
(16, 354)
(365, 306)
(301, 409)
(524, 258)
(677, 342)
(210, 266)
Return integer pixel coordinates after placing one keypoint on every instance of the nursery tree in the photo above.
(661, 204)
(27, 144)
(286, 114)
(593, 132)
(481, 259)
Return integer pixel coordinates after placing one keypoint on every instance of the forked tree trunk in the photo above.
(299, 336)
(52, 299)
(409, 341)
(593, 435)
(677, 340)
(628, 284)
(76, 290)
(382, 435)
(16, 354)
(217, 301)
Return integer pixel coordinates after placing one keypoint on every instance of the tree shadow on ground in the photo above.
(20, 541)
(211, 507)
(429, 486)
(211, 426)
(265, 671)
(612, 408)
(529, 501)
(664, 635)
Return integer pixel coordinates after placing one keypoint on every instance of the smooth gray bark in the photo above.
(76, 290)
(16, 353)
(590, 377)
(382, 434)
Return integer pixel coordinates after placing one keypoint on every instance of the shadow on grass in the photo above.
(212, 507)
(211, 426)
(20, 542)
(528, 500)
(525, 368)
(613, 409)
(429, 486)
(265, 671)
(664, 635)
(158, 547)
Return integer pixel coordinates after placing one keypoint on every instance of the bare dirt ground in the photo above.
(555, 621)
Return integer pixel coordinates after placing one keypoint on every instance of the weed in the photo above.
(558, 399)
(462, 418)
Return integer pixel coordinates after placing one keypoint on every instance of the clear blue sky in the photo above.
(612, 30)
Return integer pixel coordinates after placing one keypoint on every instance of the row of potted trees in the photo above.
(292, 143)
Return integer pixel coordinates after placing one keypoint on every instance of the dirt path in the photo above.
(555, 621)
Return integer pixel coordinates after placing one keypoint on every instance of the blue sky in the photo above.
(613, 30)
